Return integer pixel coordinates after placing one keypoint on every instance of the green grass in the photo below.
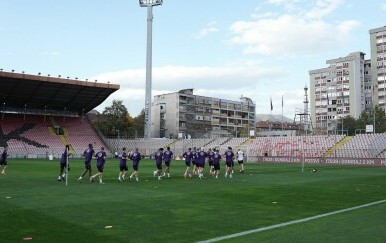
(189, 210)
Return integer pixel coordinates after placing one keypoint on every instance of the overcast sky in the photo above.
(221, 48)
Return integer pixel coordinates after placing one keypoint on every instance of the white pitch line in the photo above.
(226, 237)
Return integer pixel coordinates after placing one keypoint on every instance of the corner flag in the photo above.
(271, 104)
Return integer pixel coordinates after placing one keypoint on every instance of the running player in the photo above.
(188, 155)
(200, 161)
(229, 156)
(158, 162)
(216, 162)
(4, 161)
(122, 165)
(87, 154)
(135, 157)
(100, 159)
(194, 161)
(240, 160)
(64, 163)
(210, 161)
(167, 158)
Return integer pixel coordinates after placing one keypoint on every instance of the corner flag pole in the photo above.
(66, 166)
(303, 150)
(282, 116)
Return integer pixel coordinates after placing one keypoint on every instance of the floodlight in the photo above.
(147, 3)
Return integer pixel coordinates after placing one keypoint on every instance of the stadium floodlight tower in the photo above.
(149, 4)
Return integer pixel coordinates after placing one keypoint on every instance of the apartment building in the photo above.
(338, 90)
(186, 115)
(378, 65)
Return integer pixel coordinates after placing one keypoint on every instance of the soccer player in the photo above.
(229, 156)
(188, 155)
(167, 158)
(3, 161)
(87, 154)
(240, 159)
(158, 162)
(64, 163)
(194, 160)
(122, 165)
(135, 157)
(200, 161)
(100, 159)
(216, 162)
(210, 161)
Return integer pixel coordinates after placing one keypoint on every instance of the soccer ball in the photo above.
(314, 170)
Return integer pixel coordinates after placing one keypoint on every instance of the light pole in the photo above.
(342, 109)
(149, 4)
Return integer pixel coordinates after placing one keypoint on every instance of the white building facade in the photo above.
(185, 115)
(339, 90)
(378, 65)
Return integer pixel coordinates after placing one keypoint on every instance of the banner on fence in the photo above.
(327, 161)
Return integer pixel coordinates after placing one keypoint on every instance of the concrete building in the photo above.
(185, 115)
(378, 65)
(339, 90)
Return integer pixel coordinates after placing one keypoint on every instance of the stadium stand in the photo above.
(34, 136)
(364, 146)
(40, 114)
(146, 146)
(297, 146)
(318, 146)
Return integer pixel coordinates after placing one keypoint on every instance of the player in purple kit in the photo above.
(188, 155)
(64, 163)
(87, 154)
(3, 161)
(167, 158)
(122, 165)
(200, 161)
(229, 157)
(100, 159)
(216, 162)
(158, 162)
(210, 161)
(194, 161)
(135, 157)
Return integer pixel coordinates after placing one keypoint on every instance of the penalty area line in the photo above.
(226, 237)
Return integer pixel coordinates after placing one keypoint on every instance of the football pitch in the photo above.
(266, 200)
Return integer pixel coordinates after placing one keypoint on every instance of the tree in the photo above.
(376, 116)
(349, 125)
(380, 119)
(115, 120)
(138, 125)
